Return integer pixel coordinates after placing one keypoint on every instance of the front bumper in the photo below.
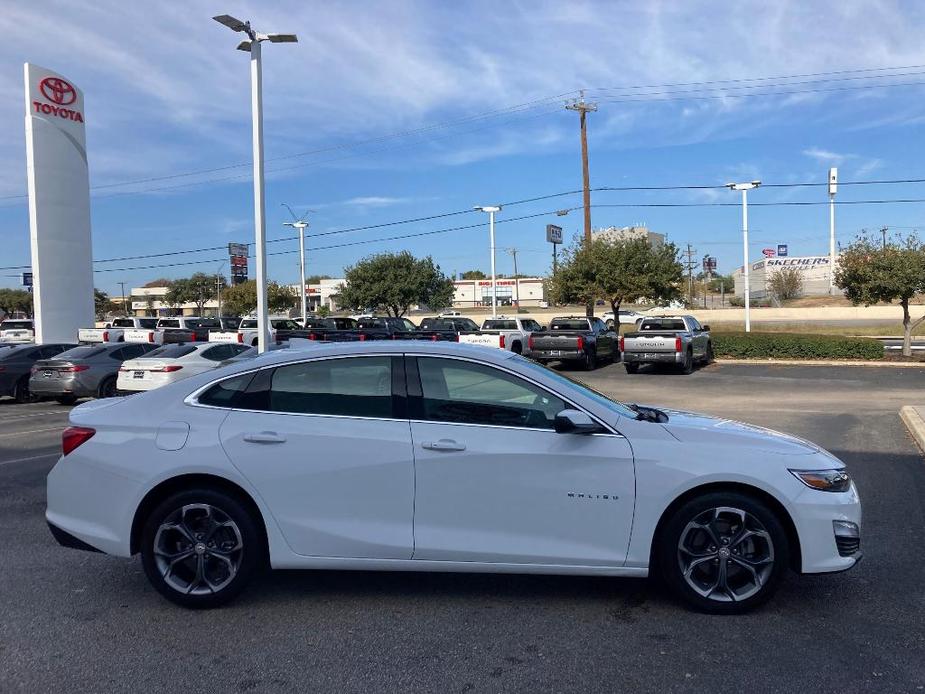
(815, 513)
(653, 357)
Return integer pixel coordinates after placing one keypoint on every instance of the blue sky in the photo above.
(167, 94)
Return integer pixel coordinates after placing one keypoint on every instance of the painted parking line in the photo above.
(29, 431)
(31, 457)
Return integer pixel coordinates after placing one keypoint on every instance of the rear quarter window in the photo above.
(226, 393)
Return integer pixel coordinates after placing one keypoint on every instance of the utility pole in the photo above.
(583, 108)
(691, 264)
(833, 188)
(124, 308)
(513, 252)
(883, 234)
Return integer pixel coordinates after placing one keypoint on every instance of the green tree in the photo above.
(723, 284)
(15, 300)
(316, 279)
(870, 272)
(396, 281)
(786, 283)
(617, 271)
(198, 289)
(101, 303)
(474, 275)
(241, 299)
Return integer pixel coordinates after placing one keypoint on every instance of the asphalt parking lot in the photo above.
(73, 621)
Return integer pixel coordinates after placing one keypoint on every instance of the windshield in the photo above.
(83, 352)
(173, 351)
(586, 390)
(16, 325)
(565, 324)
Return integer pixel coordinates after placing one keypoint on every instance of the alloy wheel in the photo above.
(198, 549)
(725, 554)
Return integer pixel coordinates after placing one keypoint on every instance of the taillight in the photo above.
(501, 343)
(170, 368)
(105, 336)
(677, 344)
(530, 343)
(150, 337)
(622, 348)
(312, 336)
(581, 343)
(75, 436)
(75, 368)
(362, 338)
(241, 337)
(433, 338)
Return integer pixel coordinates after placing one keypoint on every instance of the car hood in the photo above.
(690, 427)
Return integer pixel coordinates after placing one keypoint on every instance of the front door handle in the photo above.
(264, 437)
(443, 445)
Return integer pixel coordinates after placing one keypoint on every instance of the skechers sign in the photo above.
(61, 94)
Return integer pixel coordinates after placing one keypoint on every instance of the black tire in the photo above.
(188, 508)
(21, 392)
(107, 388)
(708, 358)
(610, 324)
(687, 368)
(589, 363)
(685, 526)
(516, 348)
(631, 368)
(66, 399)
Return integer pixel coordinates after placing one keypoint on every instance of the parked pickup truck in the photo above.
(247, 332)
(574, 340)
(116, 330)
(504, 332)
(677, 340)
(370, 328)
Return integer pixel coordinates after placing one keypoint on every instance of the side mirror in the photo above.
(705, 328)
(576, 422)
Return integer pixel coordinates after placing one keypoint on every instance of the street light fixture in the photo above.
(491, 209)
(745, 187)
(252, 46)
(301, 225)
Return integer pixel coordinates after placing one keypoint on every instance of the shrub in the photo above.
(794, 346)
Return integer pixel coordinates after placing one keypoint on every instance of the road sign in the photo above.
(237, 253)
(26, 278)
(553, 233)
(768, 252)
(782, 250)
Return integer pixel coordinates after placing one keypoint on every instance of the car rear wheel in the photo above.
(21, 392)
(589, 363)
(107, 388)
(687, 367)
(200, 548)
(631, 368)
(723, 553)
(66, 399)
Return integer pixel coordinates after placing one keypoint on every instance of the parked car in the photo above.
(627, 317)
(169, 363)
(504, 332)
(87, 371)
(17, 330)
(677, 340)
(575, 340)
(16, 362)
(441, 457)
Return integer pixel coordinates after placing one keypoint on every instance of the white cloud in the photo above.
(827, 157)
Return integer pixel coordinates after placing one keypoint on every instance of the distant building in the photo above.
(815, 269)
(630, 233)
(323, 293)
(526, 291)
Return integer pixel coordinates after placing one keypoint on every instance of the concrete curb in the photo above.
(820, 362)
(914, 423)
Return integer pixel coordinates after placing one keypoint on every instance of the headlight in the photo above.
(824, 480)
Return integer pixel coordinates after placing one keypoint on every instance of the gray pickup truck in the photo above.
(574, 340)
(676, 340)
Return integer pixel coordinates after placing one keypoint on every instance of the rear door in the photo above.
(328, 447)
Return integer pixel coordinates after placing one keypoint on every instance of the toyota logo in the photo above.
(58, 91)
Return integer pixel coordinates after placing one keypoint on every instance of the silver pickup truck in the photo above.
(676, 340)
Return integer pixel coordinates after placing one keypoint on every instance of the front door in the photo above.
(321, 443)
(495, 483)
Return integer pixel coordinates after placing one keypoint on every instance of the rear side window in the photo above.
(82, 352)
(226, 393)
(356, 387)
(171, 351)
(564, 324)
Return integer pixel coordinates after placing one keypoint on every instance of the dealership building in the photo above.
(816, 271)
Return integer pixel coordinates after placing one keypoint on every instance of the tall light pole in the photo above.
(124, 308)
(491, 209)
(252, 46)
(219, 281)
(745, 187)
(833, 186)
(301, 225)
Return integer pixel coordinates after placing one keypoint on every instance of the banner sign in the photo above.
(59, 205)
(237, 253)
(553, 233)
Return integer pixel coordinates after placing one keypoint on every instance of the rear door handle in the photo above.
(443, 445)
(264, 437)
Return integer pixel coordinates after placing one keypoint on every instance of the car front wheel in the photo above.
(200, 548)
(723, 553)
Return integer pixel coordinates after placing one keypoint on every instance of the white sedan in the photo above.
(173, 362)
(420, 456)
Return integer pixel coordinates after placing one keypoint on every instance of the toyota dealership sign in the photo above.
(59, 205)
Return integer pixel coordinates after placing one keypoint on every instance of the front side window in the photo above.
(463, 392)
(351, 387)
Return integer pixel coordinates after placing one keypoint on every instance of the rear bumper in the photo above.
(556, 355)
(52, 387)
(65, 539)
(653, 357)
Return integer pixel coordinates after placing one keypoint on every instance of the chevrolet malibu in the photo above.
(411, 456)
